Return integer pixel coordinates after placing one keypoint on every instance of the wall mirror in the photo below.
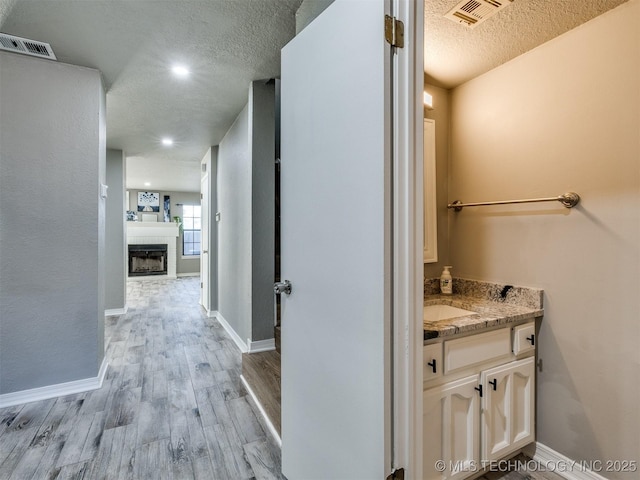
(430, 210)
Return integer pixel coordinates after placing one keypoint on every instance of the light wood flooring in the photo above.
(262, 372)
(519, 467)
(171, 407)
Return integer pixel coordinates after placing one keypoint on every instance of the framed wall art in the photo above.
(148, 202)
(167, 208)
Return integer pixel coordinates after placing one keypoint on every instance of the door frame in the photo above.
(408, 271)
(204, 245)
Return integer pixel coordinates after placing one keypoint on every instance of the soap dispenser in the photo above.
(446, 282)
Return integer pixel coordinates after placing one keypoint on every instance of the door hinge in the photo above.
(201, 196)
(201, 285)
(394, 31)
(398, 474)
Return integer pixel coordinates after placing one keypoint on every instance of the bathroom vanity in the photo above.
(479, 360)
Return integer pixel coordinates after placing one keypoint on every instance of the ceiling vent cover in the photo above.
(472, 13)
(15, 44)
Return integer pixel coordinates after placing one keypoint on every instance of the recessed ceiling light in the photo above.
(180, 71)
(167, 142)
(147, 184)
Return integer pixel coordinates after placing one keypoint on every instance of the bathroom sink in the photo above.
(435, 313)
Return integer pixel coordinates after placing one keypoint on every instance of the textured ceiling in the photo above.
(455, 54)
(225, 43)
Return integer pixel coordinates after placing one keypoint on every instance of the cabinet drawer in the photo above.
(524, 339)
(475, 349)
(431, 361)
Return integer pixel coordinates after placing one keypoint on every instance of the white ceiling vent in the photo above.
(15, 44)
(471, 13)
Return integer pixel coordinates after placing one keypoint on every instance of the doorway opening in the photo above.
(262, 370)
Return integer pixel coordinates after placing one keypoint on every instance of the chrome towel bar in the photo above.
(569, 200)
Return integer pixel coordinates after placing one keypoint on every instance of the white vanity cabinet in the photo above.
(508, 408)
(481, 412)
(451, 426)
(432, 364)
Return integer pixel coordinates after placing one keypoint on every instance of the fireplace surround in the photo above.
(147, 259)
(156, 233)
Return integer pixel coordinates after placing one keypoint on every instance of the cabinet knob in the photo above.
(479, 389)
(532, 339)
(494, 384)
(432, 364)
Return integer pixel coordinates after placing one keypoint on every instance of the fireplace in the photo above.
(147, 260)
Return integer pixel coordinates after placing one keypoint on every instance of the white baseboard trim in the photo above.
(261, 345)
(570, 469)
(192, 274)
(232, 333)
(270, 426)
(116, 311)
(52, 391)
(141, 278)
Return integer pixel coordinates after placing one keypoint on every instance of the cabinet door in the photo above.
(451, 429)
(508, 410)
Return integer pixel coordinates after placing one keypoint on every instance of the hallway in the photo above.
(172, 405)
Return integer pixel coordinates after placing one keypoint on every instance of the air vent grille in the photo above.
(471, 13)
(34, 48)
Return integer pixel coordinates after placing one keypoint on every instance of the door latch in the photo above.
(282, 287)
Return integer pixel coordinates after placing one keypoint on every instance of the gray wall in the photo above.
(263, 135)
(567, 118)
(52, 160)
(234, 228)
(246, 231)
(308, 10)
(115, 238)
(183, 265)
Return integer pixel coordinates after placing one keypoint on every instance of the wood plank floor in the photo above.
(262, 372)
(171, 407)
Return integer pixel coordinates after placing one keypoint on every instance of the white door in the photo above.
(204, 243)
(508, 409)
(451, 429)
(336, 246)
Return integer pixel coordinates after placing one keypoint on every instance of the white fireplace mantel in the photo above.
(139, 233)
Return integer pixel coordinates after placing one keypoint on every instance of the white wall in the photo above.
(209, 164)
(52, 161)
(563, 117)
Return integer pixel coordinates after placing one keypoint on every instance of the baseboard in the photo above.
(116, 311)
(140, 278)
(570, 469)
(58, 390)
(270, 426)
(209, 313)
(261, 345)
(192, 274)
(232, 333)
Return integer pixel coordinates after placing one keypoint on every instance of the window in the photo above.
(190, 230)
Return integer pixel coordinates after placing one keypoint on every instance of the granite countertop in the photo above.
(494, 305)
